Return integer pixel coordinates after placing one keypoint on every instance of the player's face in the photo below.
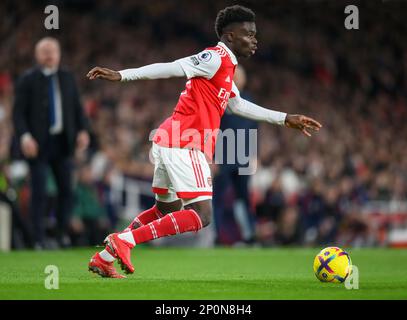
(244, 39)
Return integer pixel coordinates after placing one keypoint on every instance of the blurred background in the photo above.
(347, 185)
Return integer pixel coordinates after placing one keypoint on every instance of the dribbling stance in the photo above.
(185, 140)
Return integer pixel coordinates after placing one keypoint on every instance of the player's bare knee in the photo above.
(203, 209)
(168, 207)
(205, 218)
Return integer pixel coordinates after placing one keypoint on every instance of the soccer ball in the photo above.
(332, 264)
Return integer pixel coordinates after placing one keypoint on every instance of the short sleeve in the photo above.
(204, 64)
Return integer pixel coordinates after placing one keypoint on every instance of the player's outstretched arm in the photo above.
(249, 110)
(302, 123)
(204, 64)
(149, 72)
(104, 73)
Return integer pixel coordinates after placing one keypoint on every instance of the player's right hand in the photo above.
(103, 73)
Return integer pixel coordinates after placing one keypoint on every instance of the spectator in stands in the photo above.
(21, 237)
(89, 224)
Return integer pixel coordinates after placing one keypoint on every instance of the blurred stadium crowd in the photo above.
(305, 191)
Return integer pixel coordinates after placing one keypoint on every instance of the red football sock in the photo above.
(171, 224)
(145, 217)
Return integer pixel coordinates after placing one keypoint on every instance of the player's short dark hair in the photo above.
(232, 14)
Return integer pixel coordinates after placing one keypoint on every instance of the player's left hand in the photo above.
(303, 123)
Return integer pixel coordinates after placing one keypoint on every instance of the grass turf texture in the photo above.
(163, 273)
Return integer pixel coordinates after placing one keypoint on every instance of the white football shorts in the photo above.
(181, 173)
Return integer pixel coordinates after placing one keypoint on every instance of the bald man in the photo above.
(49, 124)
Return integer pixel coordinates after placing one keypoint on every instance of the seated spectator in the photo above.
(89, 223)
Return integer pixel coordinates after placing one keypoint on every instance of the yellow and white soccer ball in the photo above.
(332, 264)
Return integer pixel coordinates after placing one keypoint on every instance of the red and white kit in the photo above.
(185, 140)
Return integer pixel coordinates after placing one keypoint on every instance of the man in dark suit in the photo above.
(49, 124)
(228, 175)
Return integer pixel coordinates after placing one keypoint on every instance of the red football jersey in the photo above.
(196, 118)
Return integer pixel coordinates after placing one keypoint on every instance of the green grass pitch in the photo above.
(222, 273)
